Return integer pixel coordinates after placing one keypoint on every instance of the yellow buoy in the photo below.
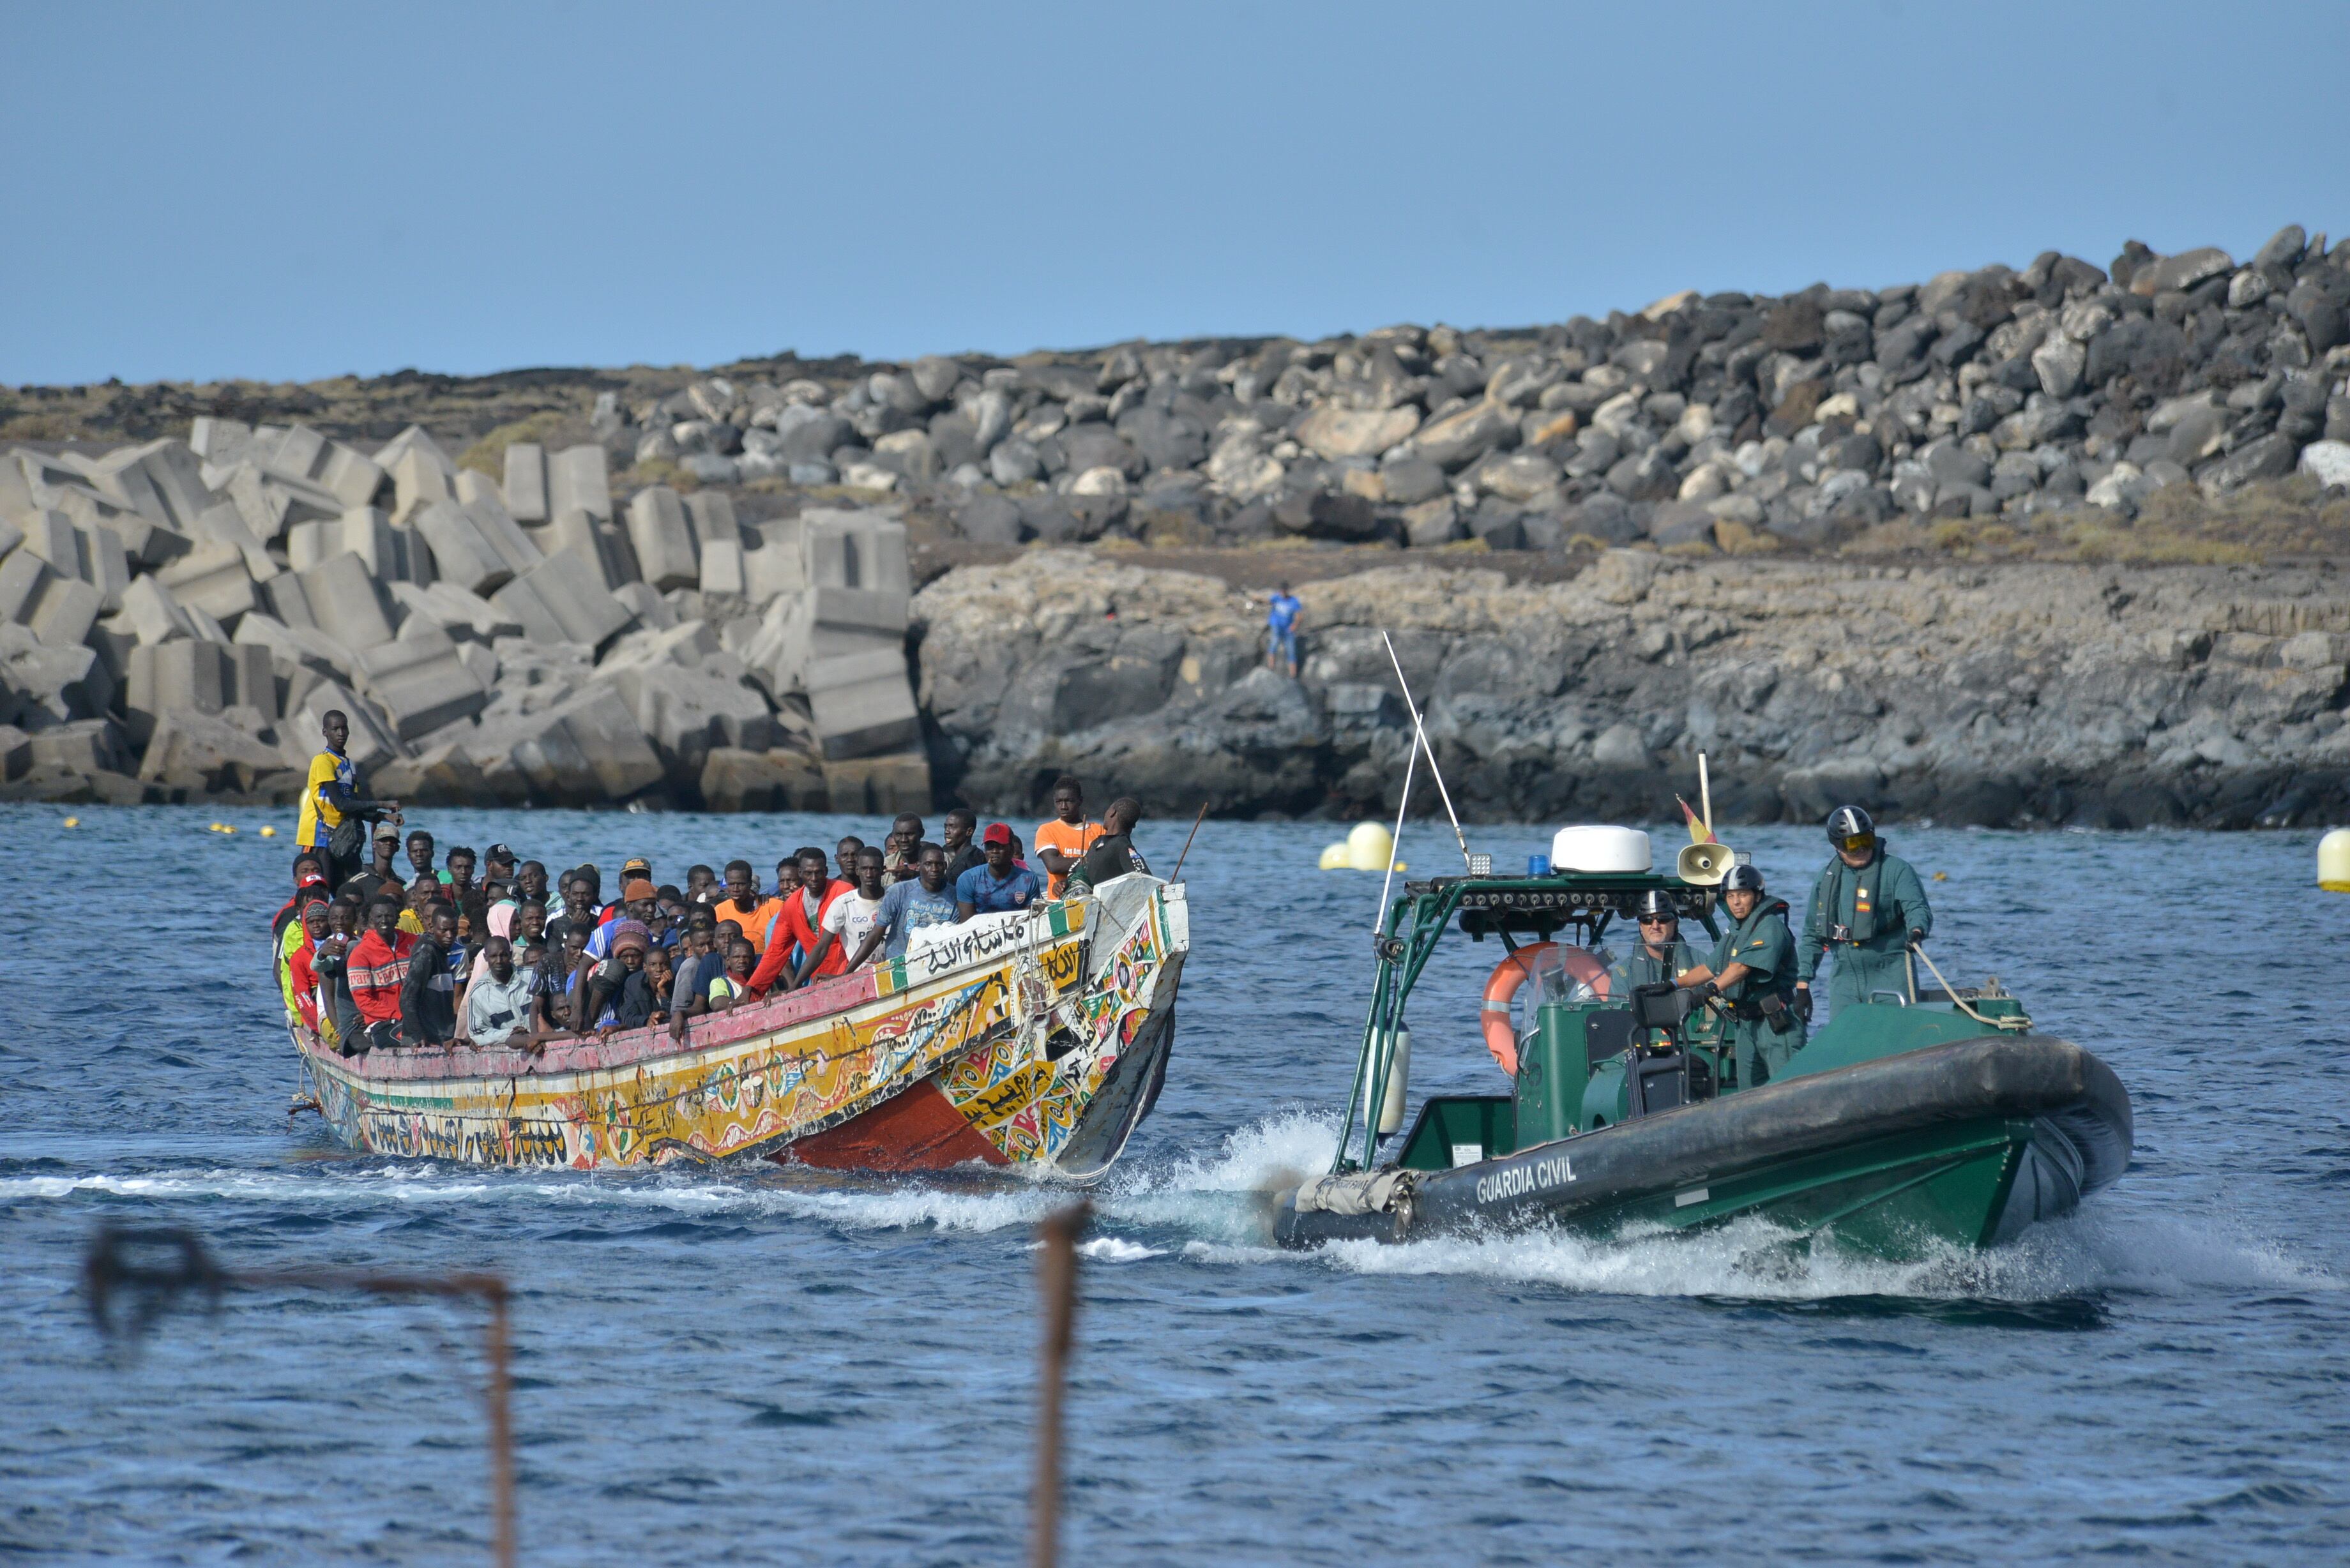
(268, 833)
(1370, 847)
(1336, 859)
(73, 822)
(2334, 861)
(228, 827)
(1938, 876)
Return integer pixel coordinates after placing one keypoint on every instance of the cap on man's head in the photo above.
(387, 830)
(636, 888)
(499, 853)
(636, 866)
(997, 833)
(310, 880)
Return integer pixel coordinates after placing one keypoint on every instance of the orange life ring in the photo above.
(1501, 1040)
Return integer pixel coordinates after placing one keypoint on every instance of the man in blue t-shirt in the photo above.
(1281, 623)
(924, 899)
(1002, 883)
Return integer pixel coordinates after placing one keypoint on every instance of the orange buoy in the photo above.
(1501, 1040)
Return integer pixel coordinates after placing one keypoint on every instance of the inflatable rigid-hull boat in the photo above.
(1958, 1144)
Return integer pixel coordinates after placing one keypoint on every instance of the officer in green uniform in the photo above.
(1661, 955)
(1753, 971)
(1867, 909)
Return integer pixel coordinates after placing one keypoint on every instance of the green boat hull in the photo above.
(1959, 1145)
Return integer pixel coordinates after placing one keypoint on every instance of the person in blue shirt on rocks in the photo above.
(1001, 884)
(1281, 623)
(925, 899)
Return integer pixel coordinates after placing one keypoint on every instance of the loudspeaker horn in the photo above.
(1704, 864)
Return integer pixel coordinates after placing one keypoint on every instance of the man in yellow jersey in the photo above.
(1061, 843)
(333, 811)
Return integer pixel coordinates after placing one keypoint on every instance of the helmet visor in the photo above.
(1854, 843)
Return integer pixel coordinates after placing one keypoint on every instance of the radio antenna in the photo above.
(1419, 736)
(1412, 761)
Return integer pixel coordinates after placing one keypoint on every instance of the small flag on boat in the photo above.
(1698, 832)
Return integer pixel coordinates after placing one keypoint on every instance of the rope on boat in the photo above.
(2014, 1025)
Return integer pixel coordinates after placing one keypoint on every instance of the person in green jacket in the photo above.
(1660, 957)
(1867, 909)
(1752, 970)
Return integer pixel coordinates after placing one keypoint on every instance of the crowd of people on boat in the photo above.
(491, 949)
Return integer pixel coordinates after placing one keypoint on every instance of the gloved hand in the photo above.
(1708, 991)
(1803, 1003)
(1916, 936)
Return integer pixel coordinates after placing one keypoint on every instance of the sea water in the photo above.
(781, 1365)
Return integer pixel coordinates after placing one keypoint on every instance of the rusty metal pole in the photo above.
(502, 1468)
(1056, 1281)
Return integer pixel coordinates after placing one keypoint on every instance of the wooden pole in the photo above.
(1177, 872)
(1056, 1281)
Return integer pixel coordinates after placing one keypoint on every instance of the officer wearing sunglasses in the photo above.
(1866, 908)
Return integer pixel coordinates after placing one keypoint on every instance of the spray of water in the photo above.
(1213, 1208)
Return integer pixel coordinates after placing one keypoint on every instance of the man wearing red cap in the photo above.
(1001, 884)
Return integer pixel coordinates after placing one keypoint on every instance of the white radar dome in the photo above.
(1599, 850)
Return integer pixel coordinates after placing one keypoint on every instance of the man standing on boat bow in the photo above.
(1867, 908)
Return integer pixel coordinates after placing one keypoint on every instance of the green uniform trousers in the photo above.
(1761, 1054)
(1854, 973)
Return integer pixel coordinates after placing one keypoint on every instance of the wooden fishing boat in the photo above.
(1036, 1039)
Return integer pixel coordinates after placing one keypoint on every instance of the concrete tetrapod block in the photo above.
(40, 685)
(105, 565)
(297, 646)
(217, 439)
(21, 577)
(649, 608)
(83, 746)
(50, 536)
(662, 539)
(420, 683)
(688, 712)
(722, 567)
(367, 533)
(418, 481)
(212, 754)
(253, 680)
(564, 595)
(525, 486)
(65, 612)
(307, 544)
(212, 578)
(573, 533)
(773, 780)
(855, 550)
(487, 509)
(225, 524)
(862, 704)
(174, 676)
(577, 476)
(711, 514)
(265, 508)
(882, 785)
(588, 751)
(151, 612)
(349, 475)
(345, 602)
(460, 553)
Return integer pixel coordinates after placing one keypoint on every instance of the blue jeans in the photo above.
(1285, 645)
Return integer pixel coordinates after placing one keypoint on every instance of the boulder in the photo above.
(587, 751)
(687, 711)
(1333, 433)
(42, 685)
(2329, 460)
(2183, 271)
(1459, 440)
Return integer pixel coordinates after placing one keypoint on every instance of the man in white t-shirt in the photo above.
(852, 918)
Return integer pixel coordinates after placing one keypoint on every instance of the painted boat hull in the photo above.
(1015, 1043)
(1960, 1145)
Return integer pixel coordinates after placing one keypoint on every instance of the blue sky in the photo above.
(286, 193)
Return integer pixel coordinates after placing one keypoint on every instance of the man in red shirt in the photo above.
(377, 970)
(801, 926)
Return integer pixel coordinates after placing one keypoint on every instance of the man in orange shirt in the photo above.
(743, 906)
(1061, 843)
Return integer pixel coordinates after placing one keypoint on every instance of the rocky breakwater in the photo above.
(175, 617)
(2000, 696)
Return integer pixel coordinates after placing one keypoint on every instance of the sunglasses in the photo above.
(1857, 841)
(1658, 920)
